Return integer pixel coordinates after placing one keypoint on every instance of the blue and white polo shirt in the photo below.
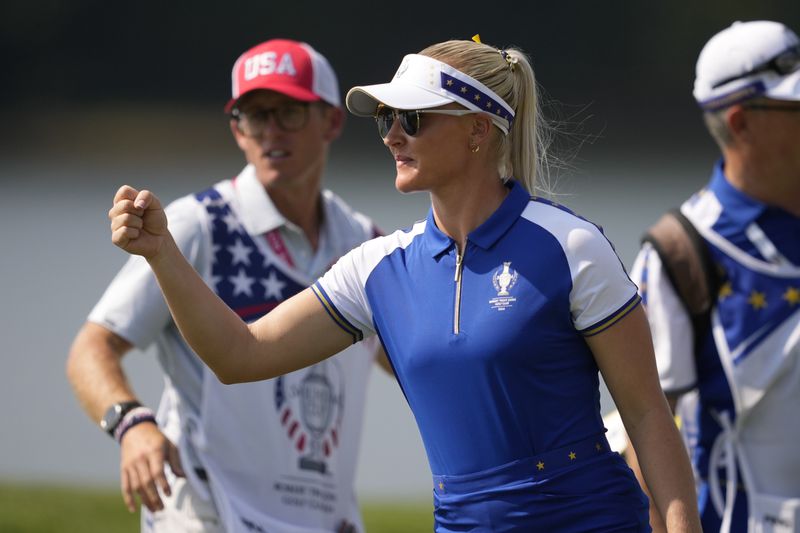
(489, 347)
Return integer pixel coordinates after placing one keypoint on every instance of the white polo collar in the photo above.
(258, 213)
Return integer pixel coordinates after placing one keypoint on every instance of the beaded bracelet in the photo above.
(132, 418)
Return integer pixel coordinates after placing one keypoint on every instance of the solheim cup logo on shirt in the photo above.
(310, 404)
(504, 279)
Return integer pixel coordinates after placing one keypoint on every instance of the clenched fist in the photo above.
(138, 222)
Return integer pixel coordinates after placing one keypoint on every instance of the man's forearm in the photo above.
(94, 369)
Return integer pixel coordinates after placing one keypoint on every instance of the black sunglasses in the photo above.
(784, 63)
(409, 118)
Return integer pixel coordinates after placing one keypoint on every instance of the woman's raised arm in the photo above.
(296, 334)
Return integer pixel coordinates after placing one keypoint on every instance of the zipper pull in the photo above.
(458, 267)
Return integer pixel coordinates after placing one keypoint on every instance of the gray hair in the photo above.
(717, 125)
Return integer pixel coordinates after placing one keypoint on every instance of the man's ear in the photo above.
(238, 136)
(736, 119)
(335, 118)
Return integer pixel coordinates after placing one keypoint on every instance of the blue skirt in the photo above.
(580, 488)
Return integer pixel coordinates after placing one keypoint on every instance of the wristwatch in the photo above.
(114, 415)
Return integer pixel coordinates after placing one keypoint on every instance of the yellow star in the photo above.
(463, 90)
(758, 300)
(449, 83)
(477, 97)
(540, 465)
(498, 111)
(488, 105)
(441, 486)
(792, 295)
(572, 456)
(598, 447)
(725, 290)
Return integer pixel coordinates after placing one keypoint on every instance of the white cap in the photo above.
(422, 82)
(748, 60)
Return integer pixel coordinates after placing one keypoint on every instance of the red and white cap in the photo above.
(289, 67)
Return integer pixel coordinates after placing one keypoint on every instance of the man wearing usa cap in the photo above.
(744, 366)
(278, 455)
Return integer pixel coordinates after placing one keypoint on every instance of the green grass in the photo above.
(397, 517)
(41, 509)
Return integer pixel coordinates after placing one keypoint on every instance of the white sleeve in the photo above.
(342, 290)
(342, 293)
(601, 292)
(670, 324)
(132, 305)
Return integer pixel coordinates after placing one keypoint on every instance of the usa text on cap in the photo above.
(289, 67)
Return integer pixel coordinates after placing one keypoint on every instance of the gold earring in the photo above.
(475, 148)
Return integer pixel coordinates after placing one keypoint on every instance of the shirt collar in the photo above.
(740, 208)
(258, 213)
(487, 233)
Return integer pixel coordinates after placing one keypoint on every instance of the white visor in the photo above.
(422, 82)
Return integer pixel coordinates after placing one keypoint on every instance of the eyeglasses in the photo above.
(775, 107)
(784, 63)
(409, 118)
(289, 117)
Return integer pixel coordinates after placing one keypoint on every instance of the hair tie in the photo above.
(511, 60)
